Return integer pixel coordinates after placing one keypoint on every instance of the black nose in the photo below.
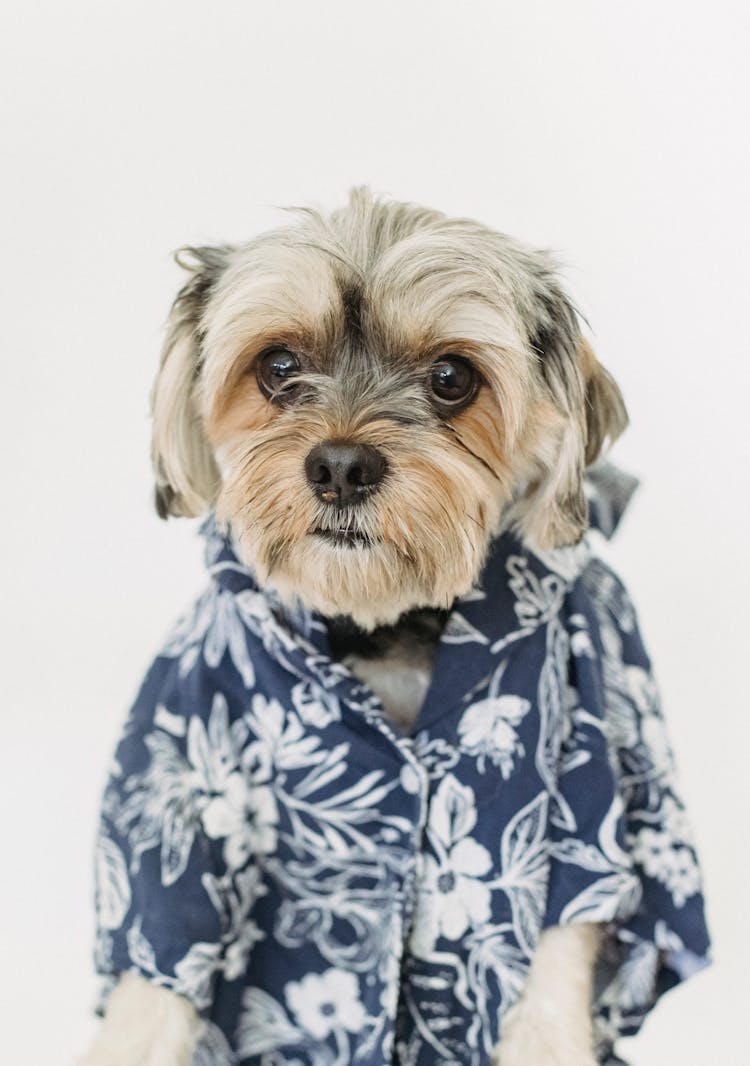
(343, 473)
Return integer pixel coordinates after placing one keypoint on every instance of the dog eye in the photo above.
(275, 368)
(453, 381)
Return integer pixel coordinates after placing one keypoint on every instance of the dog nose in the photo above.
(343, 473)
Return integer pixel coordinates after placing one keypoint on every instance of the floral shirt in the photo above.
(327, 891)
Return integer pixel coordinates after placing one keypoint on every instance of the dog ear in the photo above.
(187, 477)
(606, 414)
(586, 410)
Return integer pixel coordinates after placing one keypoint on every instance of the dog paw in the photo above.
(530, 1045)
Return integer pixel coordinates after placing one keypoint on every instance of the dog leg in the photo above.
(145, 1026)
(551, 1023)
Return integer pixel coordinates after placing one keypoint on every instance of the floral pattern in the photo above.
(329, 892)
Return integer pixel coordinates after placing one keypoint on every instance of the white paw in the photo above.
(526, 1044)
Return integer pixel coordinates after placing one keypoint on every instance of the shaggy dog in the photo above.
(367, 400)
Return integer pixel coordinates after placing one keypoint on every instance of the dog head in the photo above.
(368, 397)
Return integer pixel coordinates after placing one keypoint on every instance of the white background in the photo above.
(614, 132)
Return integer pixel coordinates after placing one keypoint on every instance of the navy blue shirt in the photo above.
(328, 891)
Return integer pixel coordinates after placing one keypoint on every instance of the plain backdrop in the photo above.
(616, 133)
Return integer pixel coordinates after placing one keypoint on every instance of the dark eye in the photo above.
(453, 381)
(275, 368)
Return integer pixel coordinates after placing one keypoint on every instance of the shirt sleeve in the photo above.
(162, 881)
(622, 849)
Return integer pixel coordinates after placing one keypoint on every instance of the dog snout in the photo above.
(342, 472)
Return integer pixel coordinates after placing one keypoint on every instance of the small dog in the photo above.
(367, 400)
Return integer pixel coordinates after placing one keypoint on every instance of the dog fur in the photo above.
(365, 301)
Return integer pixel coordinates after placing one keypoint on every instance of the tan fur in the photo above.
(145, 1026)
(426, 523)
(551, 1023)
(606, 416)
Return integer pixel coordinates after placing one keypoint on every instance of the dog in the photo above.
(367, 400)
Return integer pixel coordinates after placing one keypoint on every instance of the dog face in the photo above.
(369, 397)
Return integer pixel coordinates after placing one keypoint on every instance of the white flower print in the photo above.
(675, 820)
(683, 876)
(488, 730)
(246, 816)
(675, 867)
(324, 1003)
(451, 897)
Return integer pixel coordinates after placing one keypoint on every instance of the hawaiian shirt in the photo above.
(327, 891)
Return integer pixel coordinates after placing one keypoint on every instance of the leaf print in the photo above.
(604, 900)
(298, 922)
(188, 659)
(199, 753)
(165, 802)
(587, 856)
(221, 741)
(525, 870)
(213, 751)
(453, 813)
(635, 979)
(190, 627)
(264, 1025)
(213, 1047)
(314, 705)
(494, 961)
(523, 840)
(458, 630)
(551, 695)
(178, 836)
(329, 769)
(166, 783)
(112, 884)
(537, 599)
(608, 842)
(236, 642)
(171, 723)
(195, 973)
(345, 924)
(140, 950)
(213, 628)
(255, 612)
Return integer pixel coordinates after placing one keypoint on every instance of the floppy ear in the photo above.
(606, 414)
(586, 410)
(187, 477)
